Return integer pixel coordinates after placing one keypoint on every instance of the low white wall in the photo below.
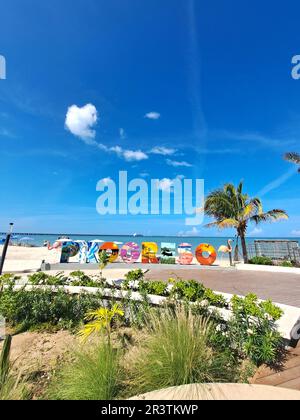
(286, 324)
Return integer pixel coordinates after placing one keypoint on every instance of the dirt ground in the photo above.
(37, 354)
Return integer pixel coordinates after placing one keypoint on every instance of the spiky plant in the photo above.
(233, 209)
(101, 320)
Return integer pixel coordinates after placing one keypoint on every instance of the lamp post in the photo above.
(7, 240)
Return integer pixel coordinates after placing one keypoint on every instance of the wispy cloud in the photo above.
(277, 182)
(153, 115)
(177, 164)
(255, 231)
(295, 232)
(122, 134)
(164, 151)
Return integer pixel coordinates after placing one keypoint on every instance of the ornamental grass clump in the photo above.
(95, 374)
(176, 351)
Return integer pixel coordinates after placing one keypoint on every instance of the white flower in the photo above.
(134, 284)
(170, 287)
(204, 303)
(250, 332)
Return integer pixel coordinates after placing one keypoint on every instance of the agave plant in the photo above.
(294, 158)
(100, 320)
(233, 209)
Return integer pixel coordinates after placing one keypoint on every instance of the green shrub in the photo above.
(190, 290)
(79, 278)
(252, 330)
(287, 264)
(32, 308)
(261, 261)
(95, 374)
(43, 279)
(134, 275)
(176, 351)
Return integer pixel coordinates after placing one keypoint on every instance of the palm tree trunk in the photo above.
(244, 247)
(236, 250)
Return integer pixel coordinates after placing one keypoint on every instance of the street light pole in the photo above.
(7, 241)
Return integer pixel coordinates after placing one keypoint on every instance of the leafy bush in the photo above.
(261, 261)
(95, 374)
(31, 308)
(189, 290)
(79, 278)
(134, 275)
(175, 350)
(43, 279)
(252, 331)
(76, 278)
(287, 264)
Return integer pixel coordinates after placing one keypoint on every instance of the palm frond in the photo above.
(270, 216)
(292, 157)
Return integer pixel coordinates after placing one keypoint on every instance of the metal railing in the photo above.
(281, 250)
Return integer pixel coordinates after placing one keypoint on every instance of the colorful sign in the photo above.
(206, 254)
(88, 252)
(111, 249)
(185, 254)
(149, 251)
(130, 252)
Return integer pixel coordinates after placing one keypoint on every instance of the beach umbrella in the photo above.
(25, 239)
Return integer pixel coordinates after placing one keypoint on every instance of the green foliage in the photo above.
(10, 386)
(287, 264)
(252, 330)
(158, 288)
(79, 278)
(134, 275)
(190, 290)
(175, 350)
(4, 360)
(95, 374)
(43, 279)
(32, 308)
(261, 261)
(215, 299)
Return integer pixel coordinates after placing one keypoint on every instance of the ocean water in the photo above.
(38, 239)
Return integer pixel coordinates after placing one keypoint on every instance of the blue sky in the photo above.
(216, 76)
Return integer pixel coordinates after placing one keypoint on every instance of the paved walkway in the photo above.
(287, 377)
(280, 287)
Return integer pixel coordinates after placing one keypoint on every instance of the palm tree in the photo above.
(294, 158)
(233, 209)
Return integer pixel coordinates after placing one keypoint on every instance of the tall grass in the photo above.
(95, 374)
(176, 351)
(11, 387)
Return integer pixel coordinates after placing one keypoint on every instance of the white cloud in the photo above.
(144, 174)
(106, 181)
(193, 232)
(80, 122)
(295, 232)
(164, 151)
(164, 184)
(128, 155)
(255, 231)
(278, 182)
(177, 164)
(122, 134)
(132, 155)
(153, 115)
